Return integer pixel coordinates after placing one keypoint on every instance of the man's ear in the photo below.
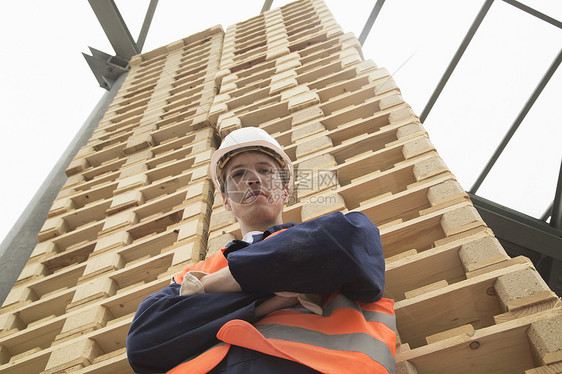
(226, 202)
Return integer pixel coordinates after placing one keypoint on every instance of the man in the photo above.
(286, 299)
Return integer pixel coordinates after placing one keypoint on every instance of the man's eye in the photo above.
(266, 171)
(237, 174)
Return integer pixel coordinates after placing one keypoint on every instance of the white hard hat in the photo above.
(244, 140)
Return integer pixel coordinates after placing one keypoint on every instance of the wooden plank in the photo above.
(156, 225)
(107, 336)
(313, 145)
(319, 205)
(546, 369)
(427, 288)
(470, 301)
(54, 304)
(126, 200)
(410, 269)
(72, 357)
(92, 290)
(66, 277)
(461, 330)
(77, 324)
(149, 246)
(390, 207)
(34, 363)
(111, 363)
(545, 296)
(377, 184)
(400, 256)
(37, 336)
(499, 349)
(95, 193)
(146, 271)
(534, 308)
(24, 354)
(221, 218)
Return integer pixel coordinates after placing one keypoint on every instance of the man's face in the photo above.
(254, 188)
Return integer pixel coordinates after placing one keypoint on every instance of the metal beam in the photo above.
(266, 6)
(370, 21)
(517, 122)
(519, 228)
(16, 248)
(523, 235)
(466, 41)
(106, 68)
(555, 277)
(535, 13)
(556, 213)
(146, 24)
(547, 213)
(114, 27)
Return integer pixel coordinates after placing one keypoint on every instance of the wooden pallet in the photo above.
(139, 206)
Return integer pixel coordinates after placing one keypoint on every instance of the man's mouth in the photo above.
(254, 194)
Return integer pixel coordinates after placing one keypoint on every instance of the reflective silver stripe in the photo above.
(340, 301)
(376, 349)
(387, 319)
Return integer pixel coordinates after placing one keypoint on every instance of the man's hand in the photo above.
(220, 281)
(223, 281)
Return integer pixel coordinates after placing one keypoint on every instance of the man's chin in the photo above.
(259, 214)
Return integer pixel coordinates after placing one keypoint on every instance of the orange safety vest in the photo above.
(212, 264)
(350, 337)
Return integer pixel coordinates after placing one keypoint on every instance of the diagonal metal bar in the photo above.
(556, 215)
(547, 212)
(115, 28)
(464, 44)
(266, 6)
(517, 122)
(18, 244)
(535, 13)
(523, 235)
(146, 24)
(370, 21)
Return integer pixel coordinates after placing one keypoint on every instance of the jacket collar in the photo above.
(239, 244)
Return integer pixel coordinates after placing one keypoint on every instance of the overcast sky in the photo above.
(49, 91)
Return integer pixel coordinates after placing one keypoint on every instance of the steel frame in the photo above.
(107, 68)
(519, 234)
(18, 245)
(528, 105)
(370, 21)
(456, 58)
(266, 6)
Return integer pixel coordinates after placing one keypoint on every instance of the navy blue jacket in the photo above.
(321, 256)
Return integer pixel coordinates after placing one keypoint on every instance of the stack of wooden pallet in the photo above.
(138, 204)
(462, 304)
(134, 210)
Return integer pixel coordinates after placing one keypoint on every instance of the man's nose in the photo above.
(251, 177)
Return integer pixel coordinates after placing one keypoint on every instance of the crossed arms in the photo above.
(333, 253)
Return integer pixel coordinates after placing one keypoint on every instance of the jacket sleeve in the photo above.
(169, 328)
(331, 253)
